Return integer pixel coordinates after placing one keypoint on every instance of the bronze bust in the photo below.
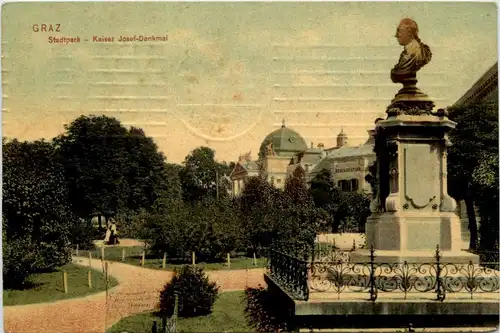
(414, 56)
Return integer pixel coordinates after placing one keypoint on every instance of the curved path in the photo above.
(137, 291)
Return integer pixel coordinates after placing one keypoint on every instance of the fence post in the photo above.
(65, 282)
(254, 259)
(373, 287)
(106, 278)
(193, 258)
(143, 257)
(90, 260)
(89, 277)
(439, 287)
(77, 252)
(123, 254)
(164, 262)
(102, 252)
(228, 260)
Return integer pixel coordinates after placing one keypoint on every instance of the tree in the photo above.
(259, 210)
(112, 170)
(148, 176)
(300, 220)
(37, 219)
(94, 154)
(471, 167)
(211, 228)
(202, 176)
(215, 229)
(353, 211)
(327, 196)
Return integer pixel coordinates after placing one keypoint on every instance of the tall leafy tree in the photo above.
(473, 167)
(327, 196)
(94, 154)
(259, 205)
(111, 169)
(300, 220)
(203, 176)
(148, 176)
(37, 219)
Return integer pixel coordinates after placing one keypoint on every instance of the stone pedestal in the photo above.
(413, 213)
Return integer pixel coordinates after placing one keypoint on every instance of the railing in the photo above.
(289, 270)
(330, 271)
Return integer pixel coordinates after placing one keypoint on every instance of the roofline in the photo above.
(489, 78)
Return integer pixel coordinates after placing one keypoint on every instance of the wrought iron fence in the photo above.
(329, 270)
(288, 266)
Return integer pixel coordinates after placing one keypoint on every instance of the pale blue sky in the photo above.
(231, 71)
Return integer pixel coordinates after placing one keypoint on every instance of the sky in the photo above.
(229, 73)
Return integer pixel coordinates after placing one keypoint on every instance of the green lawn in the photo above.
(48, 287)
(227, 315)
(133, 255)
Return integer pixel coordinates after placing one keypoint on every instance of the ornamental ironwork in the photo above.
(329, 270)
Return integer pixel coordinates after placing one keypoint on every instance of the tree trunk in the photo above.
(471, 215)
(100, 221)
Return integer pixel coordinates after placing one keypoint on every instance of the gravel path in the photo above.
(137, 291)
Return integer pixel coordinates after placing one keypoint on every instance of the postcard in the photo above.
(255, 166)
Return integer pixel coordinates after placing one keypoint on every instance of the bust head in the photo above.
(407, 31)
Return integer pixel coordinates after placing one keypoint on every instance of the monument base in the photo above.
(414, 231)
(418, 257)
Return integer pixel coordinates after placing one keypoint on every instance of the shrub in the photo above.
(196, 294)
(263, 310)
(17, 264)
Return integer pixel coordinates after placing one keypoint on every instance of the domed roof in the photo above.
(285, 142)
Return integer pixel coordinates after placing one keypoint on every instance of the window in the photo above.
(345, 185)
(354, 185)
(350, 185)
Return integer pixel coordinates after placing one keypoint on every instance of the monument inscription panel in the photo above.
(421, 175)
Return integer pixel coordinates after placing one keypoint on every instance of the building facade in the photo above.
(348, 165)
(284, 150)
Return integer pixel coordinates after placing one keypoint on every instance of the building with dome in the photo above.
(280, 153)
(284, 150)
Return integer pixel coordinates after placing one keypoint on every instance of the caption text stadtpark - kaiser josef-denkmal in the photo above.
(108, 39)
